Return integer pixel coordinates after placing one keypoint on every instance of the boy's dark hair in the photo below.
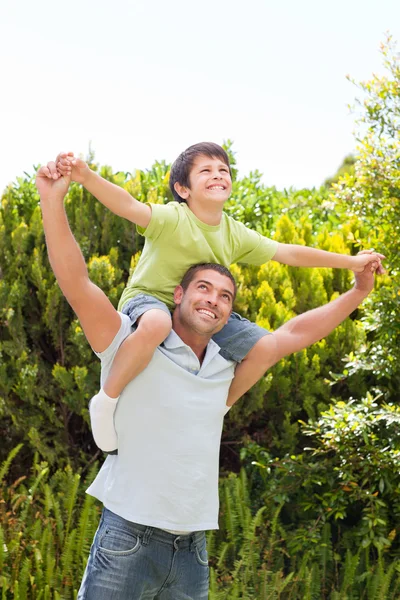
(180, 170)
(191, 272)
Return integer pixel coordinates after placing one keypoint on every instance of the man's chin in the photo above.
(207, 328)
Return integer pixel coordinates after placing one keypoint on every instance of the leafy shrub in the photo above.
(349, 478)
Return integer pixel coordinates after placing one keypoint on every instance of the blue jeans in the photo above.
(128, 561)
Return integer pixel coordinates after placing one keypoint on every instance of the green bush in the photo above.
(46, 528)
(47, 525)
(48, 371)
(349, 478)
(371, 194)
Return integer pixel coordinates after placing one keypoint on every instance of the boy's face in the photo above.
(210, 181)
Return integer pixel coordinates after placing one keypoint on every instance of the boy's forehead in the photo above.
(203, 159)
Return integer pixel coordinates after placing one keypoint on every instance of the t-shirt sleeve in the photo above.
(107, 356)
(164, 218)
(252, 247)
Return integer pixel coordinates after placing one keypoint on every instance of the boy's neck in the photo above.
(210, 215)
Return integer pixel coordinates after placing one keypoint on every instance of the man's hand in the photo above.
(365, 279)
(367, 258)
(50, 183)
(76, 168)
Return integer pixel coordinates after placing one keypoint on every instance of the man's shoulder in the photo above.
(124, 330)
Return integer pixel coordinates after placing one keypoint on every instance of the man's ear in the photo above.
(181, 190)
(178, 294)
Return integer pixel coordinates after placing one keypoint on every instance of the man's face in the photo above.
(206, 304)
(210, 181)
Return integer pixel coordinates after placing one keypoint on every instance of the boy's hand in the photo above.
(50, 183)
(370, 259)
(76, 168)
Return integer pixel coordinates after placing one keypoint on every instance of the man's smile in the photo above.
(207, 313)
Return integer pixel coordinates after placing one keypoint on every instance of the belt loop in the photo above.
(176, 540)
(147, 535)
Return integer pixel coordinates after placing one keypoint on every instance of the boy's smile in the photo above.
(210, 179)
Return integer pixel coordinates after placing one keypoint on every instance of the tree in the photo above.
(371, 193)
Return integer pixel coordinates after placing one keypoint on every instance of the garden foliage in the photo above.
(314, 511)
(48, 372)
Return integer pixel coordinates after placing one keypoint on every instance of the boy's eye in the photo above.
(204, 170)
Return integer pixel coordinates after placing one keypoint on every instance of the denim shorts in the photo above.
(236, 339)
(129, 561)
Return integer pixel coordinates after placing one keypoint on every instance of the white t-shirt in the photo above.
(168, 421)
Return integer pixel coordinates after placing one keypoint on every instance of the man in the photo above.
(161, 491)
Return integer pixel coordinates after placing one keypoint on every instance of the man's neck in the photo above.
(198, 343)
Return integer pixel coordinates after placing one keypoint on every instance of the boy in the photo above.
(190, 230)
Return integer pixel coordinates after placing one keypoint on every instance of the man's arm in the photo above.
(306, 329)
(99, 319)
(115, 198)
(303, 256)
(310, 327)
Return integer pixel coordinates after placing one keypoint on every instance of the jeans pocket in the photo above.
(118, 542)
(201, 554)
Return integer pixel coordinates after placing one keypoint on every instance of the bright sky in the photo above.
(143, 79)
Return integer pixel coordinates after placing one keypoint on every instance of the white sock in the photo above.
(102, 408)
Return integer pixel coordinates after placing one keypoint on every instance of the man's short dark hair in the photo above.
(191, 273)
(180, 170)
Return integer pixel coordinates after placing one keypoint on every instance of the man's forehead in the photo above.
(215, 278)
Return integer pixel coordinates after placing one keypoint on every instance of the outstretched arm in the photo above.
(298, 333)
(303, 256)
(310, 327)
(99, 319)
(118, 200)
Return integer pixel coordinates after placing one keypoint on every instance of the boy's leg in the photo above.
(244, 342)
(136, 351)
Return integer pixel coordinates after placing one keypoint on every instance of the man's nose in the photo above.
(213, 299)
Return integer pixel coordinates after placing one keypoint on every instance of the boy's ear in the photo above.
(181, 190)
(178, 294)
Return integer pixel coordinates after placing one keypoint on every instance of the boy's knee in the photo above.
(155, 323)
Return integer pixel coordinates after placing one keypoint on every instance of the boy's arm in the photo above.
(118, 200)
(99, 319)
(303, 256)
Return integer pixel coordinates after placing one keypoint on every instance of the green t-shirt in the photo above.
(176, 239)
